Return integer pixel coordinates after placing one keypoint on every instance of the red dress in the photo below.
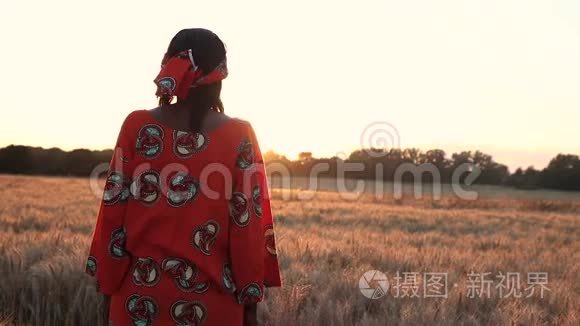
(185, 233)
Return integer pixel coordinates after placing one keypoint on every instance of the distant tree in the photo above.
(437, 158)
(358, 155)
(563, 172)
(16, 160)
(412, 155)
(271, 156)
(305, 156)
(491, 171)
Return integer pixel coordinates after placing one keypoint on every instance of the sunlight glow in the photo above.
(501, 76)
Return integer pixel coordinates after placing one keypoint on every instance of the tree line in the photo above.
(563, 171)
(16, 159)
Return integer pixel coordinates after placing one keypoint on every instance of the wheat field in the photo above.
(325, 245)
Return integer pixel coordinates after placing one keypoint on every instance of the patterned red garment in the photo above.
(184, 234)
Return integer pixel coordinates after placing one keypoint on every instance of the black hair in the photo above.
(208, 52)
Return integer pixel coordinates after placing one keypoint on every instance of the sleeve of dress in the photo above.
(108, 259)
(254, 264)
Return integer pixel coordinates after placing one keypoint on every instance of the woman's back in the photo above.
(186, 222)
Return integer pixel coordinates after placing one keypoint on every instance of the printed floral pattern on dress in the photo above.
(117, 243)
(227, 279)
(182, 188)
(185, 144)
(257, 200)
(150, 141)
(146, 272)
(245, 155)
(184, 275)
(91, 266)
(146, 187)
(188, 313)
(204, 236)
(116, 189)
(141, 309)
(238, 206)
(251, 293)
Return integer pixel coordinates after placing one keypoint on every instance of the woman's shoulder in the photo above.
(136, 116)
(137, 119)
(228, 124)
(132, 119)
(239, 122)
(240, 129)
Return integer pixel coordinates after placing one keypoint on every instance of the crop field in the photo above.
(326, 242)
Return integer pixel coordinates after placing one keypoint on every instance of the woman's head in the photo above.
(207, 48)
(208, 53)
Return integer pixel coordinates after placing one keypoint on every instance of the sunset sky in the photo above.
(500, 76)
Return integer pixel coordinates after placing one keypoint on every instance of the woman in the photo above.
(184, 234)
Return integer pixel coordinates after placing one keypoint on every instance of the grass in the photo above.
(325, 245)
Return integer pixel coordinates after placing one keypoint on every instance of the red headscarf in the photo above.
(179, 73)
